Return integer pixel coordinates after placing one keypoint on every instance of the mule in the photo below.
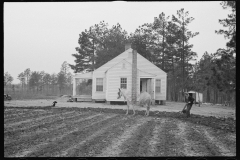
(144, 100)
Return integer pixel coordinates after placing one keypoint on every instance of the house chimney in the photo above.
(127, 46)
(134, 74)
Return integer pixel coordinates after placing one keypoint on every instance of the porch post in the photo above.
(154, 87)
(74, 86)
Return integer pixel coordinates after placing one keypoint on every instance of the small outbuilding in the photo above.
(197, 96)
(129, 70)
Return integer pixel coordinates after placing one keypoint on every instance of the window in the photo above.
(123, 83)
(99, 84)
(158, 85)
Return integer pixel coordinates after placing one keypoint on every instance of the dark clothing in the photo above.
(190, 100)
(189, 105)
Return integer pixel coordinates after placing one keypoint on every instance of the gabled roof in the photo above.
(142, 73)
(143, 64)
(113, 61)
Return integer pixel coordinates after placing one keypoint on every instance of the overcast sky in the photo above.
(42, 35)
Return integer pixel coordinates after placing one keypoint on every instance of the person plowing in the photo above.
(186, 109)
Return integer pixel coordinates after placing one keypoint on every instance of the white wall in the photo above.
(115, 71)
(200, 97)
(162, 95)
(114, 76)
(98, 94)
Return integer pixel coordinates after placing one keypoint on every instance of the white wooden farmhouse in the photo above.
(128, 70)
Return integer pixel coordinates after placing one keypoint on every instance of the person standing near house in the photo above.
(190, 103)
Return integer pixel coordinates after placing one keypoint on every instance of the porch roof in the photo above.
(83, 75)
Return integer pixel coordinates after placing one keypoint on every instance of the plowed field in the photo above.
(81, 132)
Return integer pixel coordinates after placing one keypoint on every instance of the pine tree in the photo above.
(182, 20)
(97, 46)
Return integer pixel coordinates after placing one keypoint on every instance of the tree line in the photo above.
(165, 42)
(215, 73)
(42, 82)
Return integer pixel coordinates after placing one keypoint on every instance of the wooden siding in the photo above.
(98, 94)
(112, 71)
(163, 93)
(145, 65)
(147, 69)
(114, 75)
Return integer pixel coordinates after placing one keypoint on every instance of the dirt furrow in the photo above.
(30, 132)
(54, 143)
(9, 109)
(25, 116)
(46, 119)
(32, 120)
(224, 149)
(8, 117)
(188, 147)
(95, 145)
(198, 144)
(49, 135)
(81, 150)
(14, 110)
(155, 136)
(167, 144)
(114, 149)
(137, 145)
(54, 132)
(81, 134)
(43, 121)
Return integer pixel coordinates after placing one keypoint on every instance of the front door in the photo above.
(147, 85)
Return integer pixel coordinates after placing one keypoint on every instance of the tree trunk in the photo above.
(163, 46)
(183, 67)
(208, 95)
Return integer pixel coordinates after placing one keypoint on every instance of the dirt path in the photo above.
(76, 133)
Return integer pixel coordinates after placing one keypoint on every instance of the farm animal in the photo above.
(53, 104)
(144, 100)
